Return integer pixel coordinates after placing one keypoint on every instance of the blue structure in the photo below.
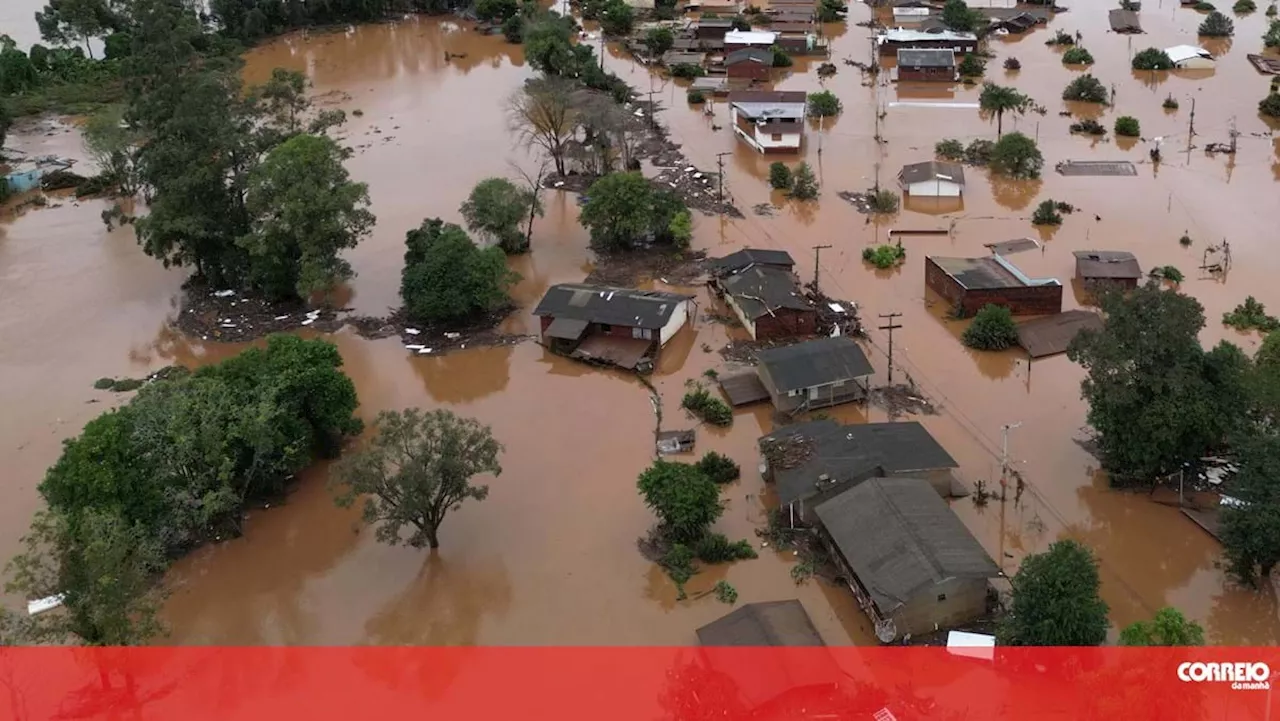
(27, 175)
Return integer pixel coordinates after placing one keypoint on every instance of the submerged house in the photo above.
(1190, 57)
(775, 623)
(26, 175)
(770, 121)
(814, 374)
(768, 301)
(617, 326)
(751, 63)
(915, 568)
(809, 463)
(932, 179)
(968, 284)
(891, 41)
(739, 39)
(747, 257)
(1113, 267)
(928, 64)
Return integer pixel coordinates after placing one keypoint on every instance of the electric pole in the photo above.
(720, 181)
(1191, 129)
(602, 49)
(1234, 134)
(817, 254)
(891, 326)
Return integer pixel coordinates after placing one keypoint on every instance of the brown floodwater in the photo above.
(550, 557)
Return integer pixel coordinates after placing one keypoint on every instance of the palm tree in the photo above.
(997, 99)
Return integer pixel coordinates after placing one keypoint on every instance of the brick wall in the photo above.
(1027, 300)
(786, 323)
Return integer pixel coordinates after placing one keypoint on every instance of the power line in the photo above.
(817, 263)
(891, 327)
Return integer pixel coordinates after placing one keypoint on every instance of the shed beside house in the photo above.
(909, 16)
(809, 463)
(618, 326)
(769, 303)
(927, 64)
(1113, 267)
(712, 28)
(769, 121)
(932, 179)
(915, 567)
(753, 63)
(1190, 57)
(814, 374)
(968, 284)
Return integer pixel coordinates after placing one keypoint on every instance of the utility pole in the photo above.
(891, 326)
(817, 256)
(1234, 134)
(1191, 129)
(602, 49)
(720, 179)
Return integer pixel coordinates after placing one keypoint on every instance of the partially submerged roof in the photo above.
(987, 273)
(1124, 21)
(1265, 64)
(715, 85)
(900, 538)
(933, 169)
(1017, 245)
(820, 454)
(762, 290)
(899, 35)
(767, 105)
(750, 37)
(814, 363)
(747, 257)
(775, 623)
(1183, 53)
(1052, 334)
(613, 306)
(1107, 264)
(755, 55)
(926, 57)
(671, 57)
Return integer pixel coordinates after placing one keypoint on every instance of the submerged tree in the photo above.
(1086, 89)
(1217, 25)
(113, 147)
(1168, 628)
(1251, 532)
(543, 114)
(447, 278)
(624, 210)
(804, 186)
(958, 16)
(685, 500)
(418, 467)
(1152, 59)
(1016, 156)
(996, 100)
(1056, 601)
(497, 209)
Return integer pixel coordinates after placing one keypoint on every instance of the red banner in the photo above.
(875, 684)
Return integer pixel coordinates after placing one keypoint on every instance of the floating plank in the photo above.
(1096, 168)
(40, 605)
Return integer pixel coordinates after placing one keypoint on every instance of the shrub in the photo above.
(949, 149)
(824, 104)
(1217, 25)
(447, 278)
(687, 71)
(513, 29)
(1270, 105)
(1046, 214)
(1166, 272)
(1060, 38)
(719, 468)
(885, 256)
(678, 563)
(1185, 240)
(780, 57)
(884, 201)
(726, 593)
(695, 97)
(1170, 103)
(1205, 7)
(1064, 208)
(1271, 10)
(1133, 5)
(707, 407)
(1249, 315)
(1271, 38)
(1244, 7)
(1012, 63)
(1152, 59)
(1088, 126)
(1086, 89)
(1127, 126)
(972, 66)
(804, 186)
(104, 384)
(779, 176)
(979, 152)
(1016, 156)
(685, 501)
(992, 329)
(1077, 56)
(715, 548)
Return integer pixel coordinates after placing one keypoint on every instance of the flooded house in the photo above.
(769, 121)
(25, 175)
(915, 567)
(712, 28)
(968, 284)
(910, 16)
(932, 179)
(747, 257)
(1190, 57)
(810, 463)
(814, 374)
(766, 297)
(1111, 267)
(614, 326)
(891, 41)
(739, 39)
(1124, 21)
(773, 623)
(750, 63)
(672, 58)
(938, 65)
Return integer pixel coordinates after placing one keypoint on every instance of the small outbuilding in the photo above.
(814, 374)
(769, 302)
(928, 64)
(915, 567)
(752, 63)
(1190, 57)
(1052, 334)
(1112, 267)
(968, 284)
(932, 179)
(616, 326)
(712, 28)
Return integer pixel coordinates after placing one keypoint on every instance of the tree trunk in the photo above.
(558, 157)
(433, 538)
(999, 123)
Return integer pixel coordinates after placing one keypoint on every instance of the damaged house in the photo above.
(1111, 267)
(766, 298)
(615, 326)
(810, 463)
(968, 284)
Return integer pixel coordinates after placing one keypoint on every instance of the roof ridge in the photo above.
(917, 544)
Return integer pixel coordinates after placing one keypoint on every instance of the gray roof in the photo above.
(977, 273)
(765, 105)
(814, 363)
(775, 623)
(933, 169)
(761, 289)
(767, 96)
(715, 23)
(758, 55)
(901, 539)
(734, 262)
(613, 306)
(926, 57)
(1123, 21)
(1108, 264)
(854, 452)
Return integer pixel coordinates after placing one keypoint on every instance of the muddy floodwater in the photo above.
(551, 556)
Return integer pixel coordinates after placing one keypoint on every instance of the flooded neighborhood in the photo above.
(781, 310)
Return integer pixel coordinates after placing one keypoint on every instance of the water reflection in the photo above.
(1011, 193)
(458, 378)
(444, 605)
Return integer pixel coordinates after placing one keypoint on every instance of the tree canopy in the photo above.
(624, 210)
(685, 500)
(1055, 600)
(957, 15)
(1016, 156)
(1168, 628)
(996, 100)
(496, 209)
(447, 278)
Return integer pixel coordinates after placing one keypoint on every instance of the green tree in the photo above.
(804, 186)
(780, 57)
(69, 22)
(996, 100)
(418, 467)
(1217, 25)
(623, 209)
(832, 11)
(1152, 59)
(1251, 532)
(113, 146)
(779, 176)
(957, 15)
(1270, 105)
(544, 115)
(104, 568)
(496, 209)
(1046, 214)
(496, 10)
(1077, 55)
(548, 47)
(1168, 628)
(1156, 399)
(446, 278)
(17, 73)
(617, 19)
(5, 122)
(1128, 127)
(658, 41)
(971, 66)
(823, 104)
(685, 500)
(1056, 601)
(305, 210)
(1016, 156)
(1086, 89)
(993, 328)
(1271, 38)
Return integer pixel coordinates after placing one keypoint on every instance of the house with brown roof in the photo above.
(750, 63)
(932, 179)
(927, 64)
(1111, 267)
(615, 326)
(968, 284)
(769, 121)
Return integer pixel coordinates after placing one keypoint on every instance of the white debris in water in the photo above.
(282, 317)
(412, 331)
(414, 347)
(559, 183)
(697, 175)
(424, 351)
(309, 321)
(690, 169)
(40, 605)
(224, 293)
(639, 113)
(453, 336)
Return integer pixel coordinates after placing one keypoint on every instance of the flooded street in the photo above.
(551, 556)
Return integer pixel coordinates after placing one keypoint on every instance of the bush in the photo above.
(1271, 38)
(831, 11)
(949, 149)
(979, 152)
(1185, 241)
(1012, 63)
(1088, 126)
(1250, 315)
(1205, 7)
(1152, 59)
(685, 501)
(1064, 208)
(687, 71)
(715, 548)
(707, 407)
(1270, 105)
(992, 329)
(1166, 272)
(1127, 126)
(1271, 10)
(726, 593)
(719, 468)
(780, 57)
(779, 176)
(972, 66)
(695, 97)
(104, 384)
(884, 201)
(447, 278)
(1086, 89)
(824, 104)
(1217, 25)
(1244, 7)
(1077, 56)
(513, 29)
(1016, 156)
(804, 186)
(1060, 38)
(1170, 103)
(1046, 214)
(885, 256)
(678, 563)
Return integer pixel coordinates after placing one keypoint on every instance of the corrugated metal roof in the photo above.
(1043, 337)
(762, 289)
(749, 37)
(814, 363)
(613, 306)
(1183, 53)
(738, 260)
(1110, 264)
(926, 57)
(931, 170)
(774, 623)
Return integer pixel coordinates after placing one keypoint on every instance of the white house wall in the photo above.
(675, 323)
(747, 323)
(934, 189)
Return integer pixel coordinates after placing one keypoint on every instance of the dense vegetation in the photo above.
(1086, 89)
(824, 104)
(1016, 156)
(993, 328)
(1056, 601)
(447, 278)
(1168, 628)
(1152, 59)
